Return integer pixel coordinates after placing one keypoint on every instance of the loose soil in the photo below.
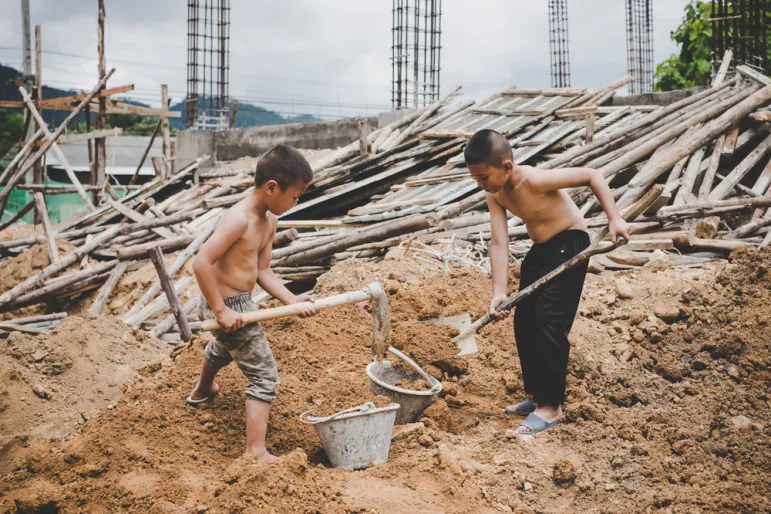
(669, 416)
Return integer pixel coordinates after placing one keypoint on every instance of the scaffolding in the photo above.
(558, 43)
(208, 64)
(740, 25)
(416, 51)
(639, 44)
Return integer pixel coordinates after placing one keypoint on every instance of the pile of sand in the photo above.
(667, 410)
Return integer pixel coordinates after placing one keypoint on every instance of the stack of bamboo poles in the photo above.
(709, 153)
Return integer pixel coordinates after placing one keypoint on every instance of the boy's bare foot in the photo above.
(265, 457)
(198, 394)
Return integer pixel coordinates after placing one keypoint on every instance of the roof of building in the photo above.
(123, 155)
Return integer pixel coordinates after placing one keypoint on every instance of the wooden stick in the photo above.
(106, 290)
(63, 263)
(100, 157)
(57, 286)
(74, 138)
(714, 164)
(165, 131)
(10, 327)
(42, 317)
(133, 215)
(295, 309)
(690, 175)
(147, 151)
(733, 178)
(176, 307)
(730, 143)
(58, 151)
(159, 304)
(21, 154)
(711, 130)
(512, 301)
(16, 217)
(711, 208)
(168, 322)
(181, 260)
(140, 250)
(42, 210)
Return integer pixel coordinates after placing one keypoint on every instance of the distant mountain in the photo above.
(248, 115)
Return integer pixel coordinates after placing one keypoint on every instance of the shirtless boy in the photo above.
(230, 262)
(558, 230)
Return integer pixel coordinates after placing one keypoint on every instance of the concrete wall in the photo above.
(663, 98)
(229, 145)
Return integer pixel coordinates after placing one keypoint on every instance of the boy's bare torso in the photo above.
(545, 214)
(237, 270)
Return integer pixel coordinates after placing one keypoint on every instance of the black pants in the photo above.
(543, 321)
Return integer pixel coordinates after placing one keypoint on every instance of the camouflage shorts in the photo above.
(248, 347)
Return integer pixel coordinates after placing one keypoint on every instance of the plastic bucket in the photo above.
(383, 376)
(356, 438)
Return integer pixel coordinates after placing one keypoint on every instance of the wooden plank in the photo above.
(90, 135)
(40, 204)
(63, 102)
(176, 306)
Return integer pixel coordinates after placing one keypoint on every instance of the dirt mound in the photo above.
(16, 270)
(667, 410)
(51, 383)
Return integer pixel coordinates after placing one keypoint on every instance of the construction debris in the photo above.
(411, 189)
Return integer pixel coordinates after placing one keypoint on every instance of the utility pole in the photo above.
(97, 170)
(26, 45)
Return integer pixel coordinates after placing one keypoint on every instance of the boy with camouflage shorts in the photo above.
(236, 256)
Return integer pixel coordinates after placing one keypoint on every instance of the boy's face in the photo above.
(279, 201)
(490, 178)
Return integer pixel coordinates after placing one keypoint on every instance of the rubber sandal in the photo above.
(523, 408)
(535, 424)
(196, 402)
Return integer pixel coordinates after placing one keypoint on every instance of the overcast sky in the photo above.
(328, 57)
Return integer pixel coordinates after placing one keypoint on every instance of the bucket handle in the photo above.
(428, 378)
(360, 408)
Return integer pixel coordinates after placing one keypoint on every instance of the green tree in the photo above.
(692, 67)
(11, 128)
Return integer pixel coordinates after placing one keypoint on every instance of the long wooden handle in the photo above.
(513, 300)
(295, 308)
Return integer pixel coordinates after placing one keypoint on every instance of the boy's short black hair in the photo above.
(487, 147)
(285, 165)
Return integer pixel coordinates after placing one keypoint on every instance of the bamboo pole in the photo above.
(100, 156)
(57, 150)
(21, 155)
(50, 140)
(42, 210)
(733, 178)
(176, 307)
(714, 164)
(711, 130)
(106, 290)
(175, 267)
(169, 321)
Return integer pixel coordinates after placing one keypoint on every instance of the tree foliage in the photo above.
(11, 128)
(692, 67)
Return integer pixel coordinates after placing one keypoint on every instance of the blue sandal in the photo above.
(535, 424)
(523, 408)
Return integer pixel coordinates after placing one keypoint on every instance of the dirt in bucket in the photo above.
(413, 385)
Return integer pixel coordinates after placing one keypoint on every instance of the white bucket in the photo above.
(356, 438)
